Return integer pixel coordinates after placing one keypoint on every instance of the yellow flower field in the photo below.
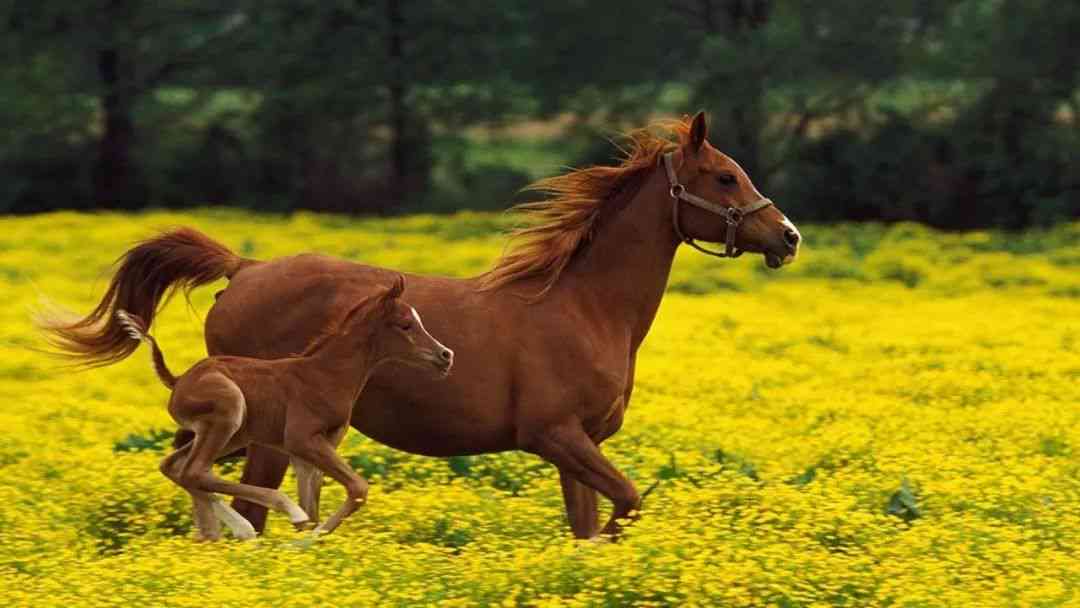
(894, 420)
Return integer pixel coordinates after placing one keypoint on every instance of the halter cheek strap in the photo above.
(732, 215)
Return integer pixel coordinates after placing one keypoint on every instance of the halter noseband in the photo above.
(732, 215)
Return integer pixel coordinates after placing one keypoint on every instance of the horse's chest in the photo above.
(606, 402)
(605, 421)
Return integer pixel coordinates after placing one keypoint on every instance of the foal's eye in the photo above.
(406, 326)
(726, 179)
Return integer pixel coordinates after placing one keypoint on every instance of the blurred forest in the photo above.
(957, 113)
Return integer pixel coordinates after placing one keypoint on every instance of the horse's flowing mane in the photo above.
(565, 222)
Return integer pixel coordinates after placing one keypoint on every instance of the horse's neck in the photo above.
(624, 270)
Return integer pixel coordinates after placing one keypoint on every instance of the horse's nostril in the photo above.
(446, 354)
(791, 237)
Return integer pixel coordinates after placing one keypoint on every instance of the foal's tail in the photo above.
(136, 329)
(148, 274)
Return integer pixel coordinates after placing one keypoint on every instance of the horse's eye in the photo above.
(726, 179)
(406, 326)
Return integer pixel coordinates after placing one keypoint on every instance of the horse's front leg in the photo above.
(581, 508)
(569, 448)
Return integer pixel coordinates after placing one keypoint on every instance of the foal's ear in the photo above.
(387, 300)
(699, 130)
(397, 288)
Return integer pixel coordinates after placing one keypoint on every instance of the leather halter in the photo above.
(732, 215)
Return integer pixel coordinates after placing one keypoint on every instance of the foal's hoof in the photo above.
(307, 524)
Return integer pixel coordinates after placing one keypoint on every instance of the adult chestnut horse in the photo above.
(546, 341)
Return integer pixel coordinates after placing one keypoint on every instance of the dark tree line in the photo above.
(959, 113)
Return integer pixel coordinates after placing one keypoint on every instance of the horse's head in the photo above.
(707, 184)
(399, 334)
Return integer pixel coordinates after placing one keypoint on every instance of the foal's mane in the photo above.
(564, 223)
(335, 328)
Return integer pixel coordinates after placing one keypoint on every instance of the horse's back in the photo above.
(272, 309)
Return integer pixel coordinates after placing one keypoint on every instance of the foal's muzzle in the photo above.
(443, 359)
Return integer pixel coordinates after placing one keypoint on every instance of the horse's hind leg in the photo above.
(570, 449)
(202, 512)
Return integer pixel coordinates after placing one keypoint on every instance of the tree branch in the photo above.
(192, 55)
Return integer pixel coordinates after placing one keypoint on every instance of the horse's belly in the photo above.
(422, 423)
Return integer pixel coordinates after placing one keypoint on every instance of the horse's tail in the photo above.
(148, 274)
(136, 329)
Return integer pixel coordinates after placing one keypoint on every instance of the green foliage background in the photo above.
(956, 114)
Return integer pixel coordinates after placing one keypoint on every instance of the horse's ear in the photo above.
(699, 130)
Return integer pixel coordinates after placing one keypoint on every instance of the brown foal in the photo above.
(298, 405)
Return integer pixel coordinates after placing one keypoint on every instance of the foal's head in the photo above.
(392, 331)
(715, 176)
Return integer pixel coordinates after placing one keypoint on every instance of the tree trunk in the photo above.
(748, 124)
(116, 182)
(399, 150)
(748, 117)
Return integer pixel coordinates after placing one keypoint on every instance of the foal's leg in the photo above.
(320, 451)
(309, 485)
(264, 467)
(573, 452)
(215, 409)
(202, 512)
(213, 440)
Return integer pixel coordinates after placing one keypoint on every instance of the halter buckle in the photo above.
(734, 216)
(677, 190)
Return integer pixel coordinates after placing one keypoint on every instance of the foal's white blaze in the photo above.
(416, 316)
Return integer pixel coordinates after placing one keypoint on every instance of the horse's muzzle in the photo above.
(783, 252)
